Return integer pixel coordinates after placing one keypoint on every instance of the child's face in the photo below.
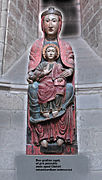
(51, 53)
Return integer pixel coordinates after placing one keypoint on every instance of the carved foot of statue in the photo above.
(46, 115)
(54, 113)
(60, 142)
(44, 143)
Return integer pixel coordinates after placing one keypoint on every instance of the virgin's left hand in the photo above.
(60, 79)
(66, 73)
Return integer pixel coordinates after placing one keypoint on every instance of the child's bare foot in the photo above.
(60, 142)
(44, 143)
(54, 113)
(46, 114)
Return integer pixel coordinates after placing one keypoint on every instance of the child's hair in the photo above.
(50, 45)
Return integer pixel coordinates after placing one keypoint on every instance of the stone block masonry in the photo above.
(13, 115)
(89, 117)
(19, 27)
(18, 30)
(91, 22)
(88, 74)
(89, 104)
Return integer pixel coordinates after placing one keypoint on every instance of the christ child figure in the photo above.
(52, 85)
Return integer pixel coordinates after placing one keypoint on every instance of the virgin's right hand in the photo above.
(30, 81)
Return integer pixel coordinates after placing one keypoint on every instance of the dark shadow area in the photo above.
(70, 29)
(57, 1)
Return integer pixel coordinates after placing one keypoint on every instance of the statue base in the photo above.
(52, 148)
(66, 150)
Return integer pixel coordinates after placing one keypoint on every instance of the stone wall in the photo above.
(3, 22)
(89, 115)
(13, 117)
(20, 29)
(88, 86)
(12, 130)
(91, 22)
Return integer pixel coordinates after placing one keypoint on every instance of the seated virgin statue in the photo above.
(51, 85)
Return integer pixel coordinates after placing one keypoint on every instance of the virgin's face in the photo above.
(51, 24)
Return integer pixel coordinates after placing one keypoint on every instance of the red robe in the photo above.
(63, 127)
(49, 86)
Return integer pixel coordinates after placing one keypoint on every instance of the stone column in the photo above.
(3, 25)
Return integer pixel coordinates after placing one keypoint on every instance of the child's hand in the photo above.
(47, 71)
